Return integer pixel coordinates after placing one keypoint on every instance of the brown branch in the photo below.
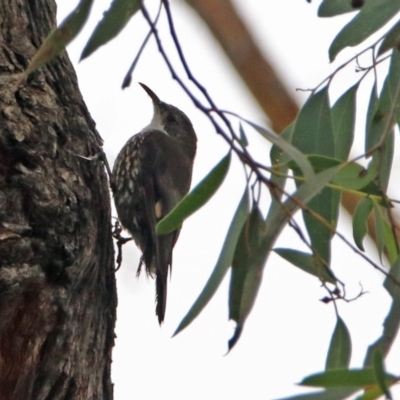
(255, 70)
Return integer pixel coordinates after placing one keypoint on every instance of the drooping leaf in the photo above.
(61, 36)
(243, 138)
(339, 352)
(360, 218)
(383, 158)
(385, 239)
(373, 393)
(277, 155)
(343, 122)
(196, 198)
(246, 272)
(372, 16)
(279, 160)
(391, 325)
(114, 20)
(306, 262)
(290, 150)
(370, 138)
(276, 220)
(224, 262)
(351, 176)
(313, 134)
(329, 394)
(331, 8)
(381, 375)
(391, 282)
(387, 108)
(355, 378)
(391, 39)
(278, 217)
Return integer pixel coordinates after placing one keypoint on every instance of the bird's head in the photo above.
(170, 120)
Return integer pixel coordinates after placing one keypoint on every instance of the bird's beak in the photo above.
(156, 100)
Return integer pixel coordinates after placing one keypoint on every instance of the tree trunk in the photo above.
(57, 285)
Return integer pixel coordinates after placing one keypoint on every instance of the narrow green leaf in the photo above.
(349, 177)
(277, 155)
(374, 393)
(331, 8)
(383, 158)
(277, 219)
(246, 272)
(313, 132)
(290, 150)
(354, 177)
(391, 39)
(379, 228)
(279, 160)
(326, 205)
(390, 96)
(330, 394)
(306, 262)
(343, 122)
(222, 265)
(372, 16)
(390, 242)
(356, 378)
(386, 242)
(339, 352)
(387, 108)
(196, 198)
(61, 36)
(114, 20)
(243, 138)
(360, 218)
(381, 375)
(390, 283)
(391, 325)
(370, 138)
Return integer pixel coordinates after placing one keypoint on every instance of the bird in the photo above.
(151, 174)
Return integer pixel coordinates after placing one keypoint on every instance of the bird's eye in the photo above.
(171, 119)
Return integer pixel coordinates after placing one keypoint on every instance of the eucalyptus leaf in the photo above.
(339, 353)
(223, 263)
(113, 22)
(391, 325)
(372, 16)
(343, 122)
(360, 218)
(329, 394)
(196, 198)
(355, 378)
(313, 134)
(296, 155)
(381, 375)
(391, 39)
(61, 36)
(306, 262)
(276, 220)
(246, 272)
(331, 8)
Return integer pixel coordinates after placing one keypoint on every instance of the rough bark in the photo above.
(57, 286)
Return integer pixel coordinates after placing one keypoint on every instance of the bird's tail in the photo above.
(163, 259)
(161, 295)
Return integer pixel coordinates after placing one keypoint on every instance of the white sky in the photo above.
(288, 331)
